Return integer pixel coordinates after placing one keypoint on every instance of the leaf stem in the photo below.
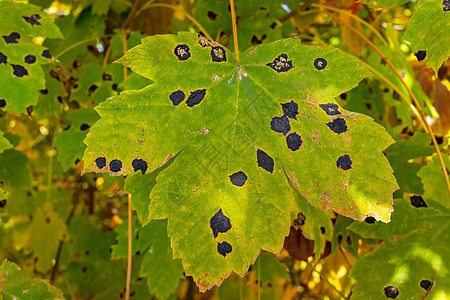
(416, 103)
(130, 250)
(235, 36)
(65, 50)
(199, 26)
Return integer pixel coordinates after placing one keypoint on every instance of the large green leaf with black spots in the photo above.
(20, 57)
(17, 284)
(238, 130)
(428, 32)
(413, 260)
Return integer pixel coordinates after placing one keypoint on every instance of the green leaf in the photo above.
(14, 169)
(433, 180)
(20, 58)
(267, 267)
(414, 265)
(4, 143)
(233, 160)
(431, 37)
(17, 284)
(46, 231)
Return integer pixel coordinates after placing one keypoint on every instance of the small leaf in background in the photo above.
(20, 57)
(230, 164)
(430, 40)
(17, 284)
(14, 170)
(433, 180)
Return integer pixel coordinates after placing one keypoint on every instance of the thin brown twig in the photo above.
(235, 38)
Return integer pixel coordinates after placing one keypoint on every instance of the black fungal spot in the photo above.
(84, 127)
(339, 239)
(3, 58)
(177, 97)
(3, 203)
(224, 248)
(238, 178)
(218, 54)
(100, 162)
(417, 201)
(30, 59)
(19, 71)
(425, 284)
(139, 164)
(320, 64)
(391, 292)
(115, 87)
(338, 125)
(46, 54)
(322, 230)
(106, 77)
(368, 105)
(92, 89)
(281, 63)
(115, 165)
(195, 97)
(290, 109)
(212, 15)
(395, 95)
(383, 62)
(204, 42)
(370, 220)
(12, 38)
(294, 141)
(446, 5)
(256, 41)
(386, 90)
(330, 108)
(182, 52)
(348, 240)
(280, 124)
(33, 19)
(77, 161)
(300, 220)
(421, 54)
(264, 161)
(29, 109)
(2, 103)
(273, 25)
(344, 162)
(219, 223)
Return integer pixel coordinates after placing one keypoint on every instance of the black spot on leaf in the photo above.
(19, 71)
(417, 201)
(339, 239)
(2, 103)
(294, 141)
(348, 240)
(46, 54)
(195, 97)
(273, 25)
(264, 161)
(12, 38)
(280, 124)
(322, 230)
(106, 77)
(204, 42)
(344, 162)
(395, 95)
(338, 125)
(2, 203)
(370, 220)
(343, 96)
(330, 108)
(3, 58)
(446, 5)
(281, 63)
(290, 109)
(256, 41)
(77, 161)
(33, 19)
(30, 59)
(177, 97)
(218, 54)
(383, 62)
(84, 127)
(219, 223)
(425, 284)
(92, 89)
(115, 165)
(238, 178)
(139, 164)
(100, 162)
(391, 292)
(211, 15)
(300, 220)
(44, 92)
(224, 248)
(115, 87)
(320, 63)
(421, 54)
(182, 52)
(29, 109)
